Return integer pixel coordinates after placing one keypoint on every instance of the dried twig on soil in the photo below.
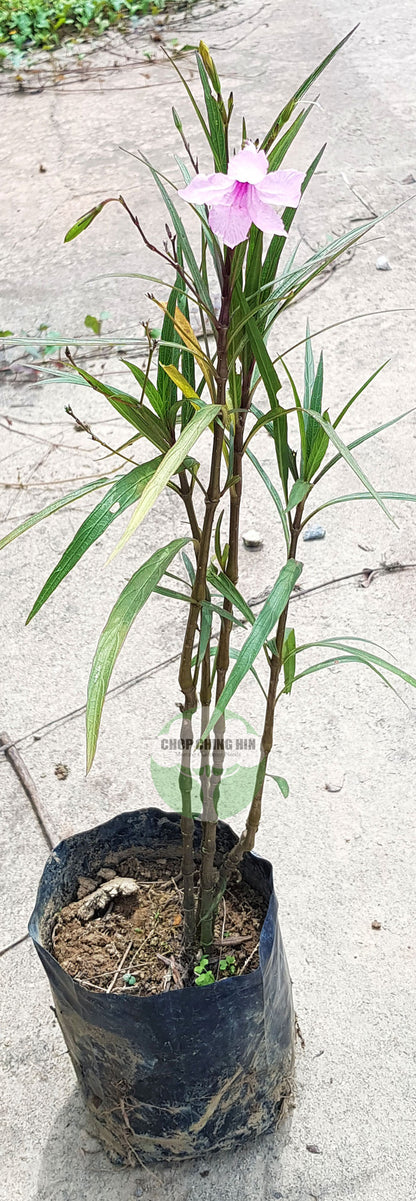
(222, 931)
(120, 966)
(248, 960)
(171, 963)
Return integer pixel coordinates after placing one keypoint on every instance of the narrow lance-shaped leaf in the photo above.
(354, 657)
(122, 494)
(180, 382)
(220, 581)
(350, 402)
(275, 604)
(147, 386)
(273, 493)
(183, 239)
(169, 353)
(286, 112)
(137, 415)
(169, 465)
(190, 340)
(340, 500)
(233, 655)
(298, 492)
(216, 124)
(349, 458)
(54, 507)
(121, 618)
(363, 438)
(278, 241)
(289, 659)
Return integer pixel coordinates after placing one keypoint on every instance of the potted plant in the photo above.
(158, 930)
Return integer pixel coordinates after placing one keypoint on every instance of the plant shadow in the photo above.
(75, 1168)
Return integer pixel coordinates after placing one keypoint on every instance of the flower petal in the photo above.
(207, 189)
(263, 216)
(249, 165)
(281, 187)
(231, 222)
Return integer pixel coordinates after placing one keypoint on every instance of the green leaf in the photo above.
(205, 632)
(339, 500)
(147, 386)
(216, 124)
(278, 241)
(300, 416)
(279, 151)
(339, 662)
(110, 642)
(189, 567)
(273, 493)
(274, 605)
(313, 401)
(287, 111)
(169, 465)
(219, 580)
(345, 453)
(309, 368)
(289, 659)
(6, 333)
(123, 493)
(358, 441)
(363, 656)
(85, 221)
(183, 239)
(169, 354)
(318, 449)
(281, 783)
(53, 508)
(298, 492)
(137, 415)
(357, 394)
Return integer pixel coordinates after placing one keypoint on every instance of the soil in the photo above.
(136, 945)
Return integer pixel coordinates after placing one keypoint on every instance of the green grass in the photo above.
(45, 23)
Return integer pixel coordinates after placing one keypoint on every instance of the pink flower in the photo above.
(245, 195)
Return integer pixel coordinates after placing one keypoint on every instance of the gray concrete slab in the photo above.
(341, 859)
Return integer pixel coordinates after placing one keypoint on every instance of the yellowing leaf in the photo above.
(180, 382)
(184, 328)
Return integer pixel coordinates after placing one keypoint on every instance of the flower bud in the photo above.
(210, 67)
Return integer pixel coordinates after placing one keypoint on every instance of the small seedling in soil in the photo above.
(228, 964)
(128, 979)
(202, 973)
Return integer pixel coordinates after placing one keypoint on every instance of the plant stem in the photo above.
(212, 498)
(187, 830)
(187, 679)
(247, 838)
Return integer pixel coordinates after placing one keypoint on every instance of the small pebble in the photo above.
(382, 264)
(314, 534)
(410, 178)
(375, 925)
(252, 539)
